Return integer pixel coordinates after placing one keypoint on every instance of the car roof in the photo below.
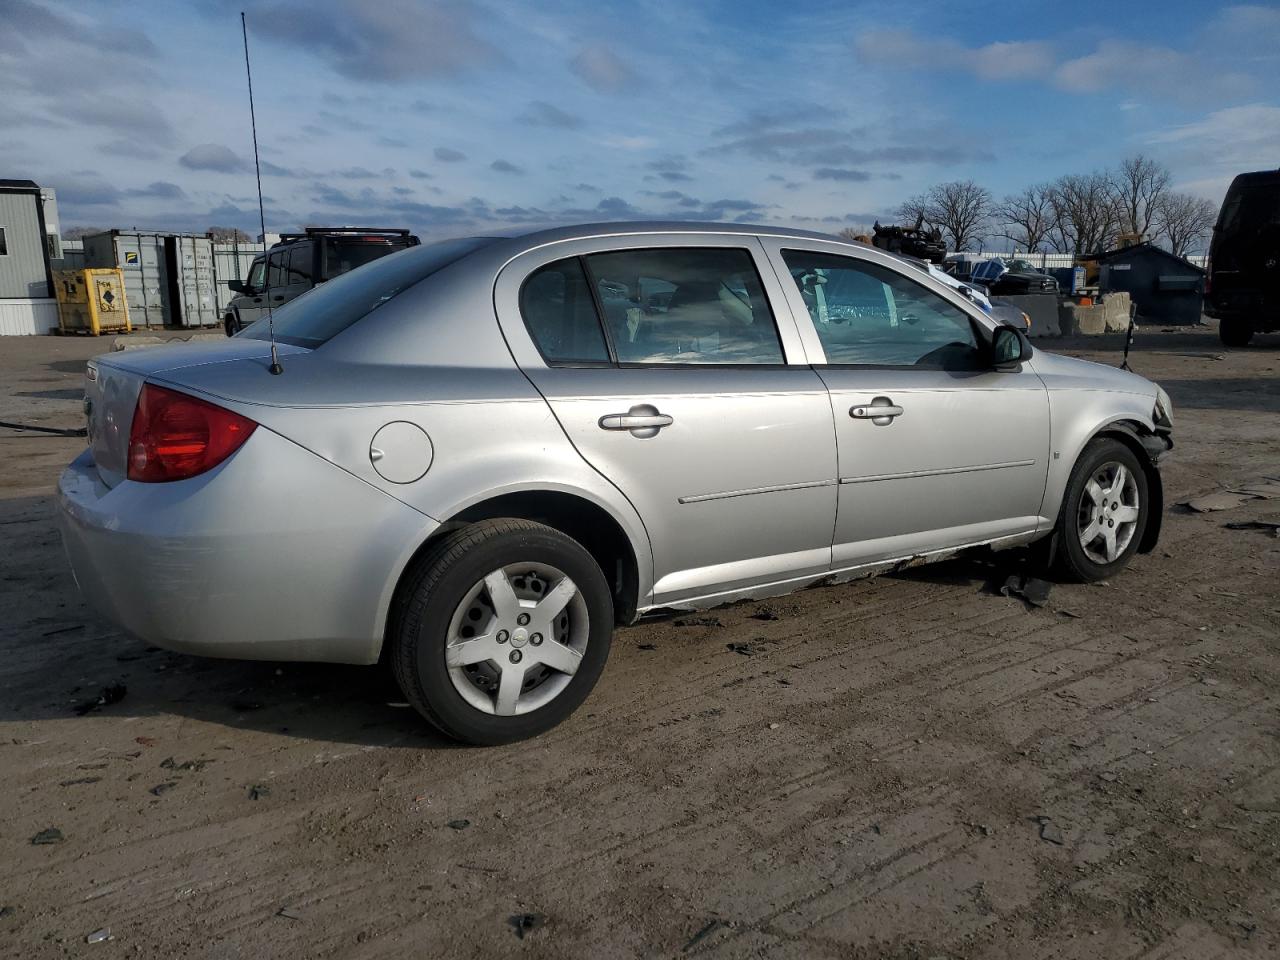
(581, 231)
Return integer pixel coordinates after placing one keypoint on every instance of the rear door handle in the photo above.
(643, 420)
(879, 411)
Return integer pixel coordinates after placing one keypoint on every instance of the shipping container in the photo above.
(168, 277)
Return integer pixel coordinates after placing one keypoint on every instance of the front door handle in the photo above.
(880, 411)
(643, 420)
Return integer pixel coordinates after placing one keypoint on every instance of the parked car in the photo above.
(301, 261)
(1011, 278)
(976, 294)
(483, 454)
(1242, 289)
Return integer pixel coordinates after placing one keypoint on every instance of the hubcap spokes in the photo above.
(1108, 513)
(516, 639)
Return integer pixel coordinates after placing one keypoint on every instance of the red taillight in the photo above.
(175, 435)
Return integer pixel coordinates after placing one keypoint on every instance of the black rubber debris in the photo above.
(109, 695)
(459, 824)
(711, 928)
(699, 622)
(49, 835)
(746, 649)
(162, 788)
(526, 923)
(1031, 589)
(258, 791)
(648, 646)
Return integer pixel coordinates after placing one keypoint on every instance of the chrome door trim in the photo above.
(776, 488)
(942, 471)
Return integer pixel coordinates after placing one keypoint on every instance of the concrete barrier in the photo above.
(1115, 309)
(1074, 319)
(1042, 308)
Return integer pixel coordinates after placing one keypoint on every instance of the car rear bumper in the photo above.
(286, 557)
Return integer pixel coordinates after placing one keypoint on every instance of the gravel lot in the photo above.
(912, 766)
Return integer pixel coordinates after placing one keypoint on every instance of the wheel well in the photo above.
(1129, 432)
(584, 521)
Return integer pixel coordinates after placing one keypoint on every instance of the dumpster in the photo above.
(168, 277)
(1166, 288)
(91, 301)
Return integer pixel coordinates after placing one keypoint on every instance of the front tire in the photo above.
(1235, 331)
(229, 324)
(501, 631)
(1104, 512)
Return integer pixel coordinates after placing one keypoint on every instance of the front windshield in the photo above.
(327, 310)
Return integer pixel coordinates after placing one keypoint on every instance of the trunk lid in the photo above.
(114, 380)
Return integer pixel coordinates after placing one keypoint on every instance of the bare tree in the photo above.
(79, 233)
(1139, 186)
(913, 210)
(960, 208)
(1183, 221)
(1027, 217)
(227, 234)
(1085, 215)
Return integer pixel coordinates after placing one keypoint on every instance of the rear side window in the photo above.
(332, 307)
(300, 256)
(557, 308)
(277, 269)
(670, 305)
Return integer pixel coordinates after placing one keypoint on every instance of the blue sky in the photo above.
(457, 117)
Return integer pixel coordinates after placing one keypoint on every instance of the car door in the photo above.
(251, 305)
(936, 448)
(667, 365)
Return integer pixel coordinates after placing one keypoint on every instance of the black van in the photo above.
(301, 261)
(1243, 288)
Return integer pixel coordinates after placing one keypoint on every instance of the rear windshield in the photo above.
(329, 309)
(344, 254)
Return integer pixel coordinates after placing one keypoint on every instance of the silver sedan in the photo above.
(477, 457)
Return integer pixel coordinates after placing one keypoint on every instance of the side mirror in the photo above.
(237, 286)
(1009, 347)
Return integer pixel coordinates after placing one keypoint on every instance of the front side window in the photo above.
(866, 314)
(684, 305)
(256, 274)
(4, 243)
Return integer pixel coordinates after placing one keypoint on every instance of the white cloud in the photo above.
(602, 69)
(1161, 71)
(994, 61)
(1246, 137)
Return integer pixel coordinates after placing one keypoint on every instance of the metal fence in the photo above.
(231, 261)
(1055, 261)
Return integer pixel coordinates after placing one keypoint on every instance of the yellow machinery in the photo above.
(91, 301)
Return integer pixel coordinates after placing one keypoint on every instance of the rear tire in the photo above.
(471, 649)
(1104, 513)
(1235, 331)
(229, 324)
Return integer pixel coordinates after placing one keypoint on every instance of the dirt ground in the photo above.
(912, 766)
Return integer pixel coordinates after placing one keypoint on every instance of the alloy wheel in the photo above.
(517, 638)
(1108, 514)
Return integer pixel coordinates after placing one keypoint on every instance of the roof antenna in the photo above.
(275, 367)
